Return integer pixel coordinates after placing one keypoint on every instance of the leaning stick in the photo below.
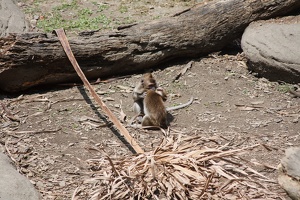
(66, 46)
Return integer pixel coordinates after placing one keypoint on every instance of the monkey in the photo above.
(147, 82)
(154, 109)
(162, 93)
(147, 87)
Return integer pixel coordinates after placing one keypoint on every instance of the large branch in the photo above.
(34, 58)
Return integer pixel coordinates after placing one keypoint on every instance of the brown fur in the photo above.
(147, 82)
(154, 109)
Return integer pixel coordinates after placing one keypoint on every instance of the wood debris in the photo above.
(184, 70)
(179, 168)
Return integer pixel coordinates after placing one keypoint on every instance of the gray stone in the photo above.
(12, 19)
(291, 186)
(289, 172)
(273, 48)
(291, 162)
(14, 186)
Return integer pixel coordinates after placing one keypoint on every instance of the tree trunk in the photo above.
(34, 58)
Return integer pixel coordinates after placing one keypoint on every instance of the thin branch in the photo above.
(64, 42)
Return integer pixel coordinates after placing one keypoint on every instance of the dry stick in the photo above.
(64, 42)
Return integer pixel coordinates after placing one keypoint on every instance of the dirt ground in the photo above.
(52, 131)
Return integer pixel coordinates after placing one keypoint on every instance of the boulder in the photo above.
(272, 48)
(14, 186)
(289, 172)
(12, 19)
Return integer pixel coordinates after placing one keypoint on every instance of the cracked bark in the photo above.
(32, 59)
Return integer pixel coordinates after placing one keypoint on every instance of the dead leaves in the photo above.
(179, 168)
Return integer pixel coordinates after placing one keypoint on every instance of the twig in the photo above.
(9, 114)
(64, 42)
(10, 155)
(208, 180)
(184, 70)
(75, 193)
(30, 132)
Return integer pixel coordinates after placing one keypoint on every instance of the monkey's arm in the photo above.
(137, 96)
(181, 106)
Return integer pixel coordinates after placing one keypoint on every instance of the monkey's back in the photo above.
(155, 109)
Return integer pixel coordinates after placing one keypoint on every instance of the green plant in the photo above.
(283, 88)
(71, 17)
(102, 7)
(33, 9)
(66, 6)
(246, 92)
(123, 9)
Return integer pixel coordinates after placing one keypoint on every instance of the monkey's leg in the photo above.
(136, 119)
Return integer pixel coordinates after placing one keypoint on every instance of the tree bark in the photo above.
(32, 59)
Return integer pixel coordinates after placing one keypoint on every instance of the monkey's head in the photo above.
(148, 82)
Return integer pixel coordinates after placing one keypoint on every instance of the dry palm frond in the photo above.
(179, 168)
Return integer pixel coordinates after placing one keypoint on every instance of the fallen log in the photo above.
(32, 59)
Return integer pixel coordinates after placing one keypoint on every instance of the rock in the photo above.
(289, 172)
(12, 20)
(272, 48)
(291, 162)
(14, 186)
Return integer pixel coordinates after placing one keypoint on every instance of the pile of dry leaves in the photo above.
(179, 168)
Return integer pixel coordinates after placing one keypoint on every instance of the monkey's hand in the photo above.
(137, 96)
(144, 95)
